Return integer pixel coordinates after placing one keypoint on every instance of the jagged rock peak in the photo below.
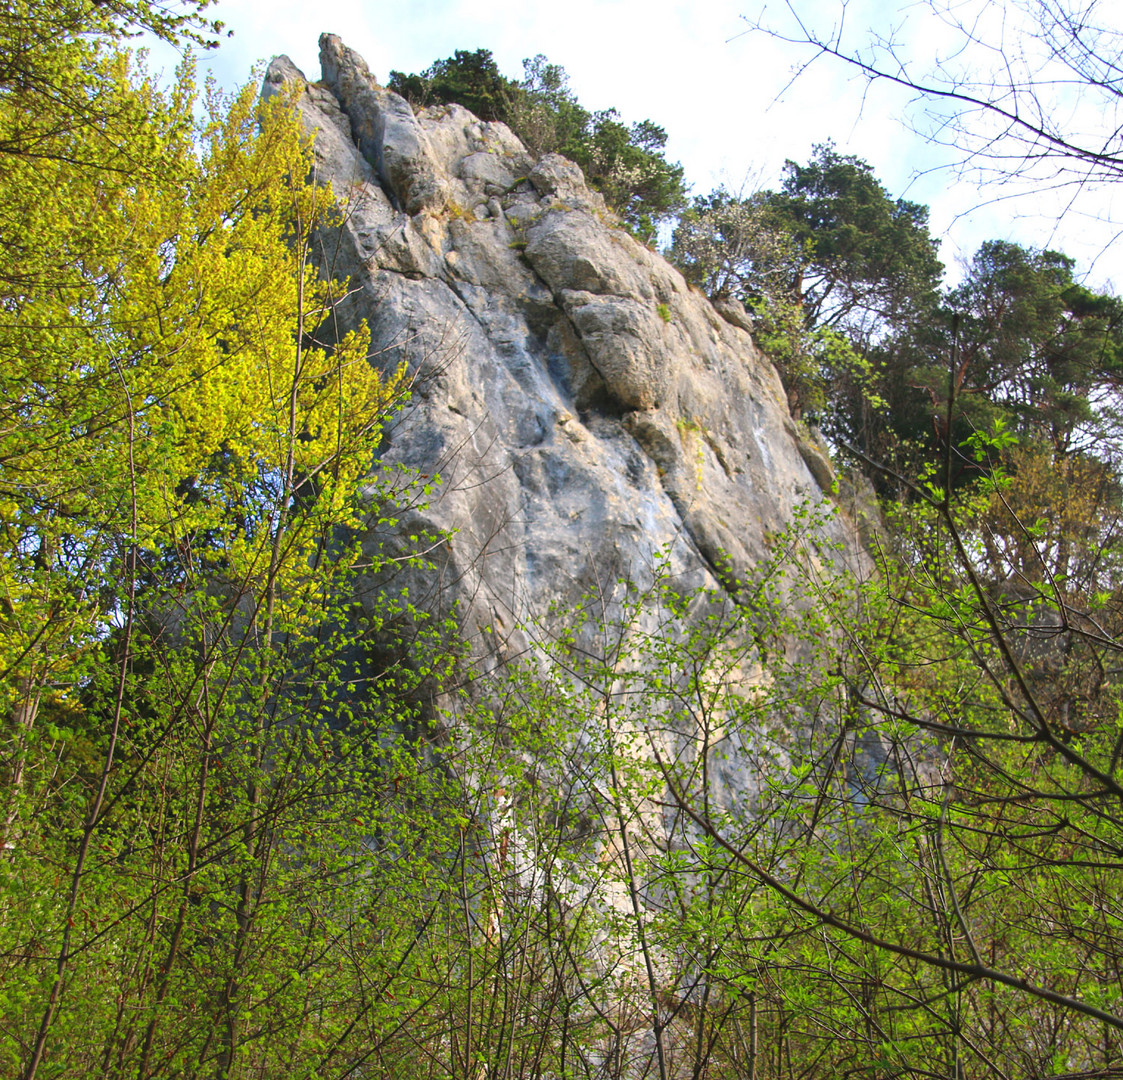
(587, 411)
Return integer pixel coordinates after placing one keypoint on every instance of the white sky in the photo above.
(722, 95)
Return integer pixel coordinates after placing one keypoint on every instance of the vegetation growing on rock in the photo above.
(626, 164)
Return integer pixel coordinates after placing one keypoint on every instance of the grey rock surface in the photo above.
(589, 415)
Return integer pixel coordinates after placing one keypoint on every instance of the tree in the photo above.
(235, 838)
(545, 112)
(1028, 94)
(58, 96)
(871, 263)
(471, 79)
(938, 781)
(830, 265)
(192, 778)
(1042, 348)
(733, 247)
(975, 703)
(1035, 351)
(918, 882)
(628, 167)
(831, 240)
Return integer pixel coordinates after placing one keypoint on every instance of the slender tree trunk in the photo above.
(23, 720)
(93, 817)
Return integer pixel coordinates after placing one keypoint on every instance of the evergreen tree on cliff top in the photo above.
(626, 164)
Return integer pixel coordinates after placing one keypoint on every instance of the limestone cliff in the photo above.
(584, 408)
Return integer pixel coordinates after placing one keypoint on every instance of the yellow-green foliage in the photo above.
(180, 458)
(156, 353)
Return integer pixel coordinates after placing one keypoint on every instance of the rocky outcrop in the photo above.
(587, 412)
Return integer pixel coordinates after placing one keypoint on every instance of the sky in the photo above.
(725, 94)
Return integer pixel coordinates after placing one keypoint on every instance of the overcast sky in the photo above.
(725, 96)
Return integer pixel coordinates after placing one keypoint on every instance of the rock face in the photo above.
(587, 412)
